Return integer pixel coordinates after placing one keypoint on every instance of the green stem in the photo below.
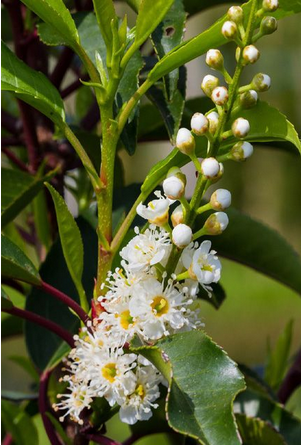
(204, 208)
(183, 276)
(185, 207)
(199, 233)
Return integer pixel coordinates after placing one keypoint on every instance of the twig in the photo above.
(66, 300)
(101, 439)
(292, 380)
(12, 157)
(47, 324)
(92, 117)
(43, 408)
(62, 67)
(11, 141)
(8, 439)
(10, 123)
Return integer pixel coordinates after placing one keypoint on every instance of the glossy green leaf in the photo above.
(55, 13)
(18, 190)
(19, 424)
(49, 35)
(31, 86)
(16, 265)
(71, 242)
(105, 13)
(256, 245)
(254, 431)
(45, 348)
(278, 358)
(6, 302)
(150, 14)
(203, 383)
(90, 37)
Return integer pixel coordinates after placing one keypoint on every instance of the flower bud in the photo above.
(229, 30)
(219, 175)
(248, 99)
(209, 83)
(213, 119)
(250, 54)
(210, 167)
(240, 128)
(214, 59)
(174, 184)
(261, 82)
(216, 223)
(268, 25)
(177, 216)
(199, 124)
(181, 235)
(220, 95)
(241, 151)
(235, 14)
(270, 5)
(220, 199)
(185, 141)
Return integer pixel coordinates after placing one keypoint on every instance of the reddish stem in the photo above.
(47, 324)
(292, 380)
(43, 408)
(92, 117)
(66, 300)
(61, 67)
(101, 439)
(10, 123)
(8, 440)
(12, 157)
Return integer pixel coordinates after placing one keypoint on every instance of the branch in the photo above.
(8, 439)
(13, 158)
(41, 321)
(92, 117)
(292, 380)
(101, 439)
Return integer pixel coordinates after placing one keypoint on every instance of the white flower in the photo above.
(216, 223)
(229, 29)
(156, 211)
(214, 59)
(138, 405)
(181, 235)
(158, 308)
(202, 264)
(199, 124)
(146, 249)
(240, 127)
(220, 199)
(220, 95)
(210, 167)
(250, 54)
(80, 397)
(185, 141)
(174, 187)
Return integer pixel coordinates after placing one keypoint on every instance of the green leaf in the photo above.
(218, 295)
(203, 383)
(71, 243)
(16, 265)
(18, 396)
(30, 86)
(41, 219)
(256, 245)
(25, 364)
(55, 13)
(18, 190)
(6, 302)
(18, 423)
(105, 13)
(90, 37)
(49, 35)
(45, 348)
(150, 14)
(255, 431)
(278, 358)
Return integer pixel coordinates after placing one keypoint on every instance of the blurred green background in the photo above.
(266, 186)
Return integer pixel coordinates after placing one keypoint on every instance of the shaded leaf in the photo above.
(105, 13)
(25, 364)
(278, 358)
(203, 383)
(16, 265)
(41, 219)
(17, 396)
(31, 86)
(90, 37)
(45, 348)
(6, 302)
(255, 431)
(18, 423)
(71, 242)
(218, 295)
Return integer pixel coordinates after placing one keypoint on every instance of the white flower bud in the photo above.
(185, 141)
(229, 30)
(220, 199)
(240, 128)
(219, 175)
(210, 167)
(268, 25)
(220, 95)
(261, 82)
(177, 216)
(250, 54)
(270, 5)
(209, 83)
(173, 187)
(235, 14)
(248, 99)
(181, 235)
(213, 119)
(199, 124)
(241, 151)
(216, 223)
(214, 59)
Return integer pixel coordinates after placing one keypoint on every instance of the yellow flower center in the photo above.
(207, 267)
(109, 372)
(126, 319)
(160, 306)
(140, 391)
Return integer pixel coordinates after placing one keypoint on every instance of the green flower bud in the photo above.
(209, 83)
(235, 14)
(248, 99)
(177, 216)
(241, 151)
(268, 25)
(270, 5)
(261, 82)
(216, 223)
